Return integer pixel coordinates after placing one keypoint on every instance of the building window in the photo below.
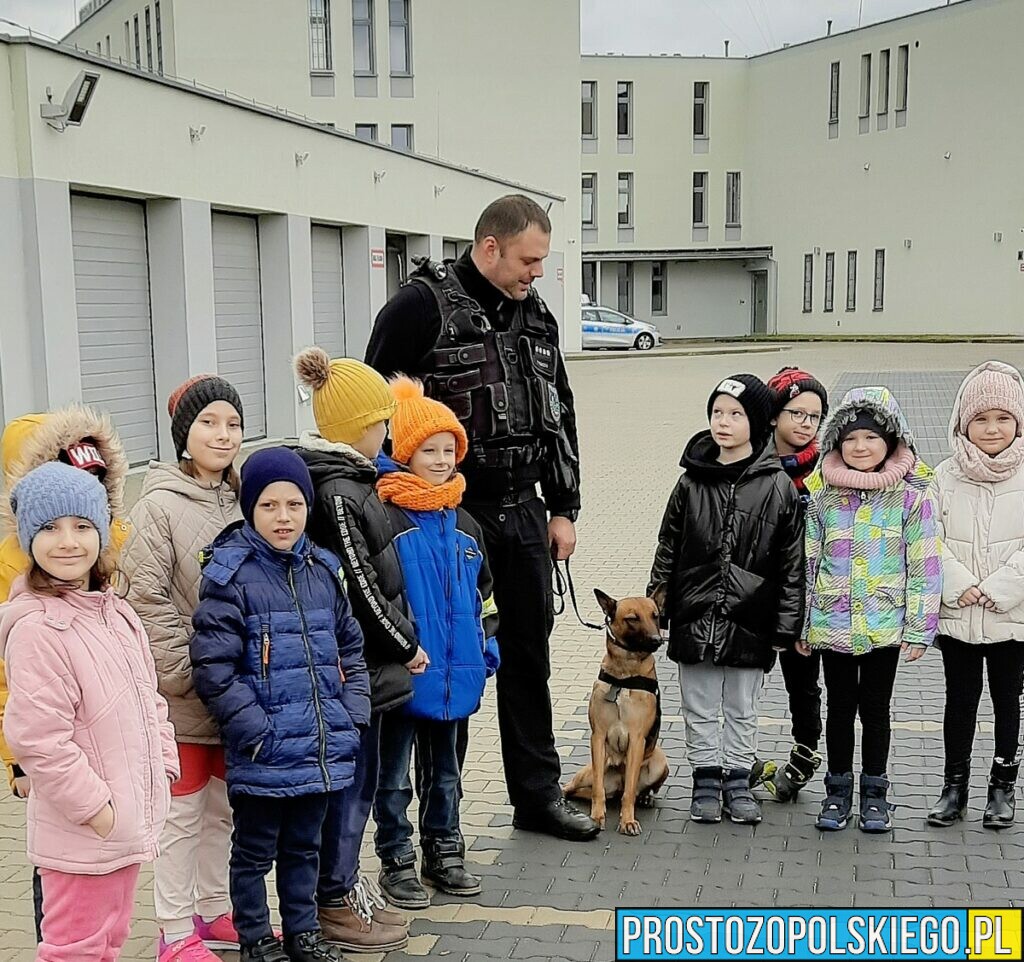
(732, 199)
(830, 279)
(149, 41)
(588, 100)
(157, 34)
(364, 60)
(883, 82)
(624, 108)
(625, 287)
(590, 280)
(879, 279)
(902, 75)
(159, 39)
(808, 282)
(851, 280)
(401, 47)
(135, 35)
(401, 136)
(625, 200)
(320, 36)
(700, 210)
(589, 183)
(865, 85)
(833, 94)
(657, 287)
(700, 108)
(367, 132)
(127, 40)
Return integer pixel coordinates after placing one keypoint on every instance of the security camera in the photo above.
(71, 110)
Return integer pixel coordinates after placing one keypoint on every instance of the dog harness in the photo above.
(636, 683)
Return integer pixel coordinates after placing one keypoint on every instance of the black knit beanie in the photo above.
(186, 403)
(755, 398)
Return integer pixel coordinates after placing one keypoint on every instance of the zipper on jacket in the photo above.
(449, 646)
(322, 754)
(265, 655)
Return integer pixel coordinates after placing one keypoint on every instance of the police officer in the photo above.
(484, 343)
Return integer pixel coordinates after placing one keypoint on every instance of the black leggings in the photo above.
(800, 672)
(964, 665)
(859, 684)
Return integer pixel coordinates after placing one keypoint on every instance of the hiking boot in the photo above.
(999, 811)
(952, 803)
(350, 931)
(266, 950)
(795, 774)
(738, 801)
(762, 772)
(310, 947)
(367, 892)
(706, 804)
(874, 805)
(835, 809)
(444, 867)
(400, 883)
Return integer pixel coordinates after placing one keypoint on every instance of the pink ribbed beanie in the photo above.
(991, 390)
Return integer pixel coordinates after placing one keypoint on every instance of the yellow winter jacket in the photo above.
(28, 442)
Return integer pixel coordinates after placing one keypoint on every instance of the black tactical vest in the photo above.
(500, 384)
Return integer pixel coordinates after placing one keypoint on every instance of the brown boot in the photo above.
(343, 928)
(366, 896)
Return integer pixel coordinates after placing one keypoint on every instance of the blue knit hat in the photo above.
(262, 468)
(56, 490)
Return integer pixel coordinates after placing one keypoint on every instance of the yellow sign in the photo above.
(994, 934)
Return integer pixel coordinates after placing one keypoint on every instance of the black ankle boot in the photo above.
(400, 883)
(1002, 785)
(706, 803)
(445, 868)
(266, 950)
(311, 947)
(952, 803)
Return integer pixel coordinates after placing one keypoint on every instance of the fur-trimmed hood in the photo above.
(879, 403)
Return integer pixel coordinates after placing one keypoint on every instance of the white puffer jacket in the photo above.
(982, 530)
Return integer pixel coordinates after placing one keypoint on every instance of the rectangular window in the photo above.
(830, 279)
(320, 36)
(367, 132)
(135, 35)
(657, 287)
(883, 82)
(851, 280)
(732, 199)
(157, 34)
(588, 101)
(99, 47)
(401, 48)
(865, 85)
(589, 184)
(159, 38)
(902, 75)
(401, 136)
(149, 41)
(700, 210)
(833, 94)
(625, 200)
(879, 279)
(127, 41)
(590, 280)
(625, 287)
(700, 108)
(624, 108)
(808, 283)
(364, 60)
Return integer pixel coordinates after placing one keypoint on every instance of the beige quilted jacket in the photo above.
(173, 520)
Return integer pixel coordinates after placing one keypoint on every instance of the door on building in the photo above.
(759, 302)
(238, 315)
(115, 329)
(328, 290)
(397, 269)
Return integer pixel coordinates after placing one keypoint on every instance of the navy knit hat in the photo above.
(755, 398)
(262, 468)
(56, 490)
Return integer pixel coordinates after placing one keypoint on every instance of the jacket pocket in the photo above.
(748, 599)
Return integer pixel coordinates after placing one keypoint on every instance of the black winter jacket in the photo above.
(349, 519)
(731, 550)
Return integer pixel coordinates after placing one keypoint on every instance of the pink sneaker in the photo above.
(184, 950)
(218, 934)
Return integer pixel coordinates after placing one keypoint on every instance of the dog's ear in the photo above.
(607, 603)
(658, 596)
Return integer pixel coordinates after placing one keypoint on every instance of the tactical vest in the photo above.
(500, 384)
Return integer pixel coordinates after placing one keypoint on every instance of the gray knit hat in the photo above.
(55, 490)
(188, 400)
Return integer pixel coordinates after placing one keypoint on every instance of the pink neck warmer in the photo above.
(978, 466)
(840, 475)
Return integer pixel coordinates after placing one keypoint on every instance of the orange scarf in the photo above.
(409, 491)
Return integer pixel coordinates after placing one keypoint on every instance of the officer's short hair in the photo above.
(508, 216)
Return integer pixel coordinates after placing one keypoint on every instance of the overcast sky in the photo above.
(629, 26)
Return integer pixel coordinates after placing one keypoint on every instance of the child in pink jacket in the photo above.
(83, 717)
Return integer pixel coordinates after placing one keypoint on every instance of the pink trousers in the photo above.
(86, 918)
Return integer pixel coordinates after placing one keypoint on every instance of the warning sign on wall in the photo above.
(560, 273)
(376, 257)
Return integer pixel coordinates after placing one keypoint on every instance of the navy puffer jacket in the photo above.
(278, 659)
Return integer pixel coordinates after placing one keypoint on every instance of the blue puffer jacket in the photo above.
(278, 659)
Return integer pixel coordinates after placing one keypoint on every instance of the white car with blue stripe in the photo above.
(605, 328)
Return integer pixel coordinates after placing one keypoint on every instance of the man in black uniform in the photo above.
(484, 343)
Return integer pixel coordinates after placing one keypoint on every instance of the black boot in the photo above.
(874, 804)
(311, 947)
(838, 801)
(444, 867)
(1001, 788)
(795, 774)
(952, 803)
(401, 884)
(266, 950)
(738, 800)
(706, 805)
(557, 818)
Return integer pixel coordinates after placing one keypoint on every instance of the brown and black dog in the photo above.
(625, 714)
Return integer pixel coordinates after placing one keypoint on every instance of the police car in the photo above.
(603, 327)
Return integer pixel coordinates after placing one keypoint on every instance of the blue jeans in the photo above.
(439, 770)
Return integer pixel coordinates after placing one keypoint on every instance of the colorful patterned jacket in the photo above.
(874, 569)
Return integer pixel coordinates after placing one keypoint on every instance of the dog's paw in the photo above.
(629, 827)
(599, 817)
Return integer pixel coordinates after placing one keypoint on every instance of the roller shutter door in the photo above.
(239, 315)
(328, 291)
(115, 332)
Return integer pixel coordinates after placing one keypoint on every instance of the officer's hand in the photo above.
(561, 538)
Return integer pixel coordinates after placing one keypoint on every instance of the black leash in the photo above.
(563, 585)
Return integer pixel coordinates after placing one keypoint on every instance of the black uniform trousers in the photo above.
(801, 673)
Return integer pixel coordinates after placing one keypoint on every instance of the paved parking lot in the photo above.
(543, 899)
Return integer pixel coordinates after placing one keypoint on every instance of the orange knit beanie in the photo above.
(417, 418)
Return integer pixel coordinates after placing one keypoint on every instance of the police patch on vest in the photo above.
(555, 403)
(731, 387)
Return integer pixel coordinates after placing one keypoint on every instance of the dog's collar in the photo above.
(634, 682)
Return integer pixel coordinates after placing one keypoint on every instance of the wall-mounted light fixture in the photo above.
(379, 175)
(301, 157)
(867, 166)
(947, 155)
(908, 243)
(998, 237)
(195, 134)
(70, 112)
(439, 189)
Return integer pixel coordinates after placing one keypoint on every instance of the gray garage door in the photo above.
(239, 315)
(115, 333)
(328, 291)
